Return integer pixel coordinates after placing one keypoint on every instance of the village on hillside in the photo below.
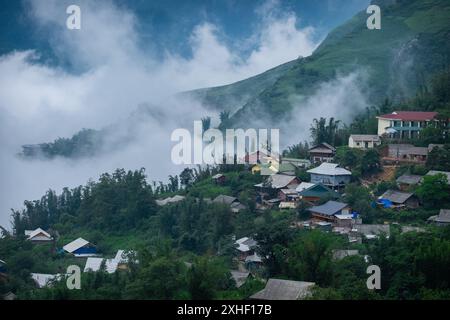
(320, 192)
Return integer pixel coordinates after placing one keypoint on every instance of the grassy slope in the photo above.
(233, 96)
(413, 32)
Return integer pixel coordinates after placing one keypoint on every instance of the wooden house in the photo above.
(322, 152)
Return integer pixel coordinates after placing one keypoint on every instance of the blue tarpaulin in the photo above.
(385, 202)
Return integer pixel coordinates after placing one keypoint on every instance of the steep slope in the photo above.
(411, 45)
(232, 97)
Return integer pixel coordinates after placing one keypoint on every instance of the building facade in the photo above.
(405, 124)
(363, 141)
(322, 152)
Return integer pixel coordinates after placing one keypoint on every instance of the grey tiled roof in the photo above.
(396, 196)
(330, 208)
(409, 179)
(225, 199)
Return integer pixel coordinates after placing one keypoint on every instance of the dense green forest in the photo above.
(119, 212)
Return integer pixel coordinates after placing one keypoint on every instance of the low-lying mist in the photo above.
(40, 102)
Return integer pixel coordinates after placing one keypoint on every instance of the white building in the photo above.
(363, 141)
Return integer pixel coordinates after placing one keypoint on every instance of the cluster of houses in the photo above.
(79, 248)
(400, 126)
(282, 189)
(287, 191)
(338, 217)
(405, 197)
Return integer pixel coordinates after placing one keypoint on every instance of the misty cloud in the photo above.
(341, 98)
(40, 102)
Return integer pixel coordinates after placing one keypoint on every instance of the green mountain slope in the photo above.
(231, 97)
(411, 45)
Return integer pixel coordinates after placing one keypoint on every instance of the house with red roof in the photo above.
(405, 124)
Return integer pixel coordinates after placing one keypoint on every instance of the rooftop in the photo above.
(304, 186)
(323, 145)
(365, 137)
(75, 244)
(225, 199)
(277, 181)
(409, 115)
(373, 229)
(253, 258)
(396, 196)
(409, 179)
(330, 169)
(33, 233)
(408, 149)
(330, 208)
(246, 244)
(277, 289)
(443, 217)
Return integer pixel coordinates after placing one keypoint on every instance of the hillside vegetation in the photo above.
(411, 45)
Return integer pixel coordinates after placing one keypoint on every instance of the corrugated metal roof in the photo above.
(75, 244)
(253, 258)
(33, 233)
(365, 137)
(409, 179)
(303, 186)
(396, 196)
(246, 244)
(330, 208)
(410, 115)
(278, 289)
(443, 217)
(277, 181)
(330, 169)
(225, 199)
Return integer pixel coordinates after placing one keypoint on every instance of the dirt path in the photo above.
(387, 174)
